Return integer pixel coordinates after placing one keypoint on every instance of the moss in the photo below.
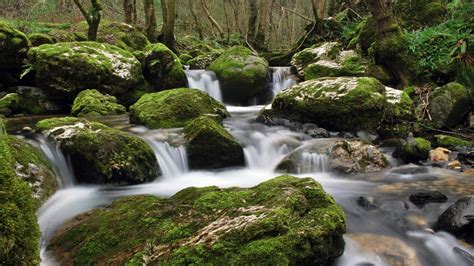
(174, 108)
(163, 69)
(414, 150)
(101, 154)
(184, 58)
(452, 143)
(19, 232)
(63, 36)
(37, 39)
(211, 226)
(9, 104)
(421, 13)
(13, 47)
(203, 61)
(94, 103)
(381, 73)
(242, 74)
(348, 63)
(449, 105)
(324, 51)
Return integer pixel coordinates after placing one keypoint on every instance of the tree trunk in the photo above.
(168, 27)
(235, 9)
(92, 18)
(150, 20)
(212, 20)
(134, 12)
(127, 11)
(252, 23)
(197, 23)
(260, 38)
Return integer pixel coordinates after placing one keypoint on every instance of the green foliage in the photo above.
(452, 143)
(30, 27)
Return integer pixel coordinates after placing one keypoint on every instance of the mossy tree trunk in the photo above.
(92, 17)
(260, 37)
(127, 11)
(252, 23)
(168, 25)
(150, 19)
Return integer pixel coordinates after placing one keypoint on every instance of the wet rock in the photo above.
(449, 105)
(411, 170)
(458, 219)
(94, 103)
(452, 143)
(455, 165)
(424, 197)
(266, 224)
(27, 130)
(439, 155)
(36, 101)
(413, 150)
(317, 133)
(366, 202)
(466, 158)
(355, 156)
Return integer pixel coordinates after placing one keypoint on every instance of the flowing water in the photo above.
(265, 146)
(281, 79)
(206, 81)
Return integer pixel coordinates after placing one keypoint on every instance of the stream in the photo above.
(395, 216)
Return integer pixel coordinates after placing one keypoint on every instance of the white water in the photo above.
(314, 162)
(206, 81)
(281, 79)
(173, 161)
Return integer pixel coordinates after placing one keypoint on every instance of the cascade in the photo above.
(281, 79)
(206, 81)
(173, 161)
(314, 162)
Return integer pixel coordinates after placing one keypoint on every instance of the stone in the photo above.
(162, 68)
(13, 47)
(455, 165)
(449, 105)
(413, 150)
(347, 63)
(452, 143)
(458, 219)
(366, 202)
(324, 51)
(439, 155)
(422, 198)
(94, 103)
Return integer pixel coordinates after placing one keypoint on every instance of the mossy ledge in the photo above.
(285, 220)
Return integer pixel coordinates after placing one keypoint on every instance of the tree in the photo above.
(128, 11)
(260, 37)
(168, 23)
(150, 19)
(252, 23)
(92, 17)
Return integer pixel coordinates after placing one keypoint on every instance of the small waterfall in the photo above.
(206, 81)
(313, 162)
(173, 161)
(281, 79)
(265, 151)
(62, 164)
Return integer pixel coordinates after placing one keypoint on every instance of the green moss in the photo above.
(449, 105)
(414, 150)
(348, 63)
(184, 58)
(324, 51)
(211, 226)
(9, 104)
(13, 47)
(421, 13)
(94, 103)
(452, 143)
(174, 108)
(19, 232)
(37, 39)
(163, 68)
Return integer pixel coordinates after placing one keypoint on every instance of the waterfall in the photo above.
(173, 161)
(265, 150)
(281, 79)
(206, 81)
(313, 162)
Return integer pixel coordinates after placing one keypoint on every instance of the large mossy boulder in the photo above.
(37, 39)
(30, 100)
(162, 68)
(13, 47)
(347, 63)
(241, 74)
(324, 51)
(283, 221)
(94, 103)
(413, 150)
(100, 154)
(65, 69)
(449, 105)
(19, 232)
(174, 108)
(343, 103)
(210, 146)
(452, 143)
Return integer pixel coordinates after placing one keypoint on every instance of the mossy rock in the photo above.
(203, 61)
(324, 51)
(381, 73)
(452, 143)
(94, 103)
(66, 36)
(19, 232)
(100, 154)
(210, 146)
(174, 108)
(449, 105)
(9, 104)
(241, 74)
(65, 69)
(32, 166)
(162, 68)
(413, 150)
(365, 35)
(13, 47)
(398, 113)
(35, 101)
(347, 63)
(37, 39)
(283, 221)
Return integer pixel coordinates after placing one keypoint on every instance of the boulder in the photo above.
(203, 61)
(13, 47)
(325, 51)
(210, 146)
(94, 103)
(286, 220)
(65, 69)
(439, 155)
(347, 63)
(421, 198)
(174, 108)
(35, 101)
(20, 235)
(37, 39)
(100, 154)
(162, 68)
(452, 143)
(413, 150)
(241, 74)
(458, 219)
(9, 104)
(449, 105)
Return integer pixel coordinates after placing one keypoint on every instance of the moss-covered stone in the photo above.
(413, 150)
(365, 35)
(13, 47)
(210, 146)
(324, 51)
(65, 69)
(174, 108)
(94, 103)
(9, 104)
(32, 166)
(398, 113)
(35, 101)
(66, 36)
(242, 74)
(19, 232)
(347, 63)
(381, 73)
(285, 220)
(449, 105)
(162, 68)
(100, 154)
(203, 61)
(452, 143)
(37, 39)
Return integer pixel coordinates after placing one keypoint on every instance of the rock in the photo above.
(342, 104)
(452, 143)
(455, 165)
(411, 170)
(241, 74)
(162, 68)
(37, 39)
(458, 219)
(347, 63)
(32, 166)
(19, 241)
(439, 155)
(210, 146)
(355, 156)
(203, 61)
(184, 58)
(393, 251)
(9, 104)
(174, 108)
(285, 220)
(35, 101)
(66, 36)
(65, 69)
(94, 103)
(100, 154)
(422, 198)
(13, 47)
(317, 133)
(324, 51)
(413, 150)
(449, 105)
(466, 158)
(366, 202)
